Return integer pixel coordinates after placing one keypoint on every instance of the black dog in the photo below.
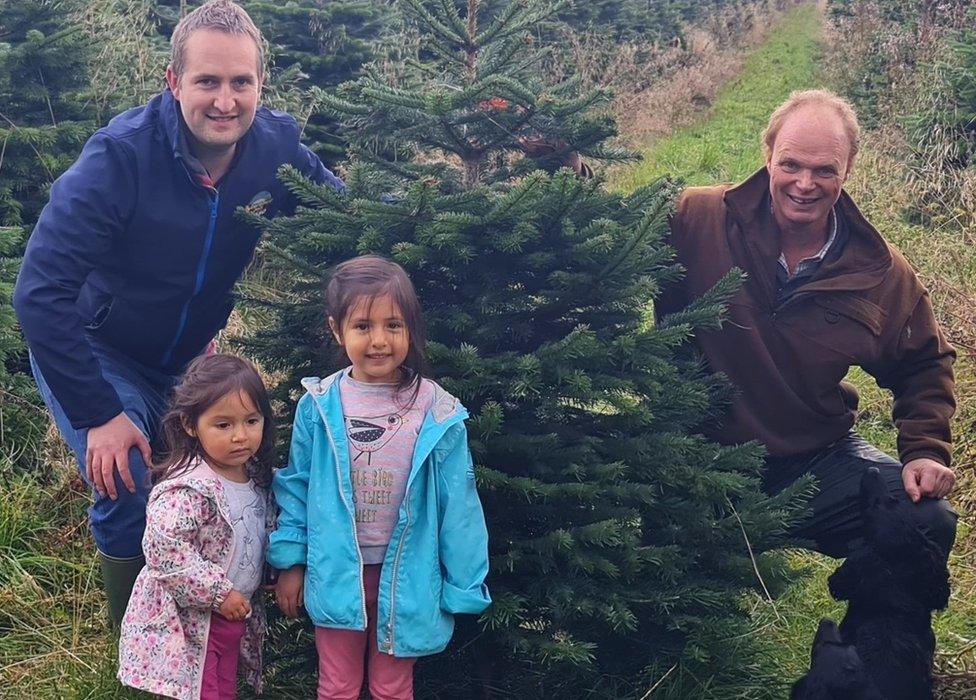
(892, 585)
(836, 671)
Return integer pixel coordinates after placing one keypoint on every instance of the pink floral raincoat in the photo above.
(188, 545)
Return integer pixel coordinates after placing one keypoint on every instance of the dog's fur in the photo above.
(836, 671)
(892, 585)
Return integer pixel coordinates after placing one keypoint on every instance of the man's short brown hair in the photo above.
(220, 16)
(803, 98)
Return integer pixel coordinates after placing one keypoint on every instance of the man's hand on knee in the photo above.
(924, 477)
(108, 449)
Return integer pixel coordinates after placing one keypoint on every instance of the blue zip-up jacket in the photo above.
(134, 250)
(437, 558)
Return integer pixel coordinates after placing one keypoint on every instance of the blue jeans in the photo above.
(117, 526)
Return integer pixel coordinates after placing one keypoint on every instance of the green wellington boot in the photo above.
(118, 576)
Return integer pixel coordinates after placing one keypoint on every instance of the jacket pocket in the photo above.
(862, 311)
(140, 333)
(98, 318)
(838, 330)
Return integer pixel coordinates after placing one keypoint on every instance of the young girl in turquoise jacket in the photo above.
(380, 535)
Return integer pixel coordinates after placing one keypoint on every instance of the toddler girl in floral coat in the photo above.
(196, 609)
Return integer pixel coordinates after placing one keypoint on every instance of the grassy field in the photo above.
(726, 148)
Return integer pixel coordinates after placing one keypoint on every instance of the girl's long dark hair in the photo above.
(208, 379)
(373, 276)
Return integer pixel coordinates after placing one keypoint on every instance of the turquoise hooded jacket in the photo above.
(437, 558)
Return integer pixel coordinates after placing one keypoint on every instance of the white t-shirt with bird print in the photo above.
(382, 428)
(247, 514)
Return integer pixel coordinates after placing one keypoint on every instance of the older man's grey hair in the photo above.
(220, 16)
(804, 98)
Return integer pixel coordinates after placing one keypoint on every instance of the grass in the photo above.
(725, 147)
(54, 641)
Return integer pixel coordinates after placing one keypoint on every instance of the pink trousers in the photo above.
(343, 655)
(220, 664)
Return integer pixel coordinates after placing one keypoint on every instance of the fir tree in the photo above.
(328, 42)
(474, 96)
(42, 118)
(621, 539)
(42, 129)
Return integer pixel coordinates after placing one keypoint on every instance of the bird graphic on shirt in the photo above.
(369, 435)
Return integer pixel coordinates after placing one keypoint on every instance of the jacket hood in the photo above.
(867, 258)
(444, 407)
(199, 477)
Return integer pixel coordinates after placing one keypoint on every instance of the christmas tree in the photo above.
(42, 128)
(621, 540)
(42, 121)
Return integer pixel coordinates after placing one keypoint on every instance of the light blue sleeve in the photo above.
(288, 544)
(463, 534)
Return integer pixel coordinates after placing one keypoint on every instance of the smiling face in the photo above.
(218, 90)
(229, 432)
(375, 338)
(809, 162)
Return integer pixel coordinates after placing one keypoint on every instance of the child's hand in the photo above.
(235, 606)
(289, 590)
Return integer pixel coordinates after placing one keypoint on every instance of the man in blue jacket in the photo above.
(129, 272)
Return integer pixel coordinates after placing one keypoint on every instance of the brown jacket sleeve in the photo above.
(918, 370)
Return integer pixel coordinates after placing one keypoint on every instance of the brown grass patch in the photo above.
(660, 88)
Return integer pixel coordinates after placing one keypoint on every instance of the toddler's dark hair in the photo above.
(208, 379)
(373, 276)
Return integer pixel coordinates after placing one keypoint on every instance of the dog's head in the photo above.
(863, 574)
(836, 671)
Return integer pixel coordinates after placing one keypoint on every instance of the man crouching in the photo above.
(824, 292)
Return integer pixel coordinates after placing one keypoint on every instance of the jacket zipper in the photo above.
(406, 527)
(201, 275)
(393, 577)
(396, 558)
(352, 513)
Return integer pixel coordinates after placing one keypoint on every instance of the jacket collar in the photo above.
(169, 110)
(445, 412)
(444, 407)
(863, 263)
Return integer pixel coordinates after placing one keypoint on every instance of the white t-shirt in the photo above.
(248, 508)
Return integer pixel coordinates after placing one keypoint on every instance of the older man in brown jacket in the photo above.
(824, 292)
